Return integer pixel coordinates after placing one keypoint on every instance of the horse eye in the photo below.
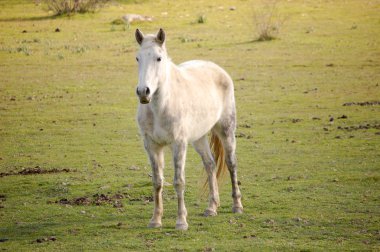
(159, 59)
(137, 59)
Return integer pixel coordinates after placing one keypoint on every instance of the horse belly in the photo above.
(201, 122)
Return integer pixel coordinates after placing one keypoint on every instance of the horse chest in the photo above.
(162, 132)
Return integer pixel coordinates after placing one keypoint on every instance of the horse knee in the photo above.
(179, 184)
(158, 184)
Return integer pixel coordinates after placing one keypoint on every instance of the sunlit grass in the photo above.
(67, 100)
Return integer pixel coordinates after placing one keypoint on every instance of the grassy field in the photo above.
(309, 166)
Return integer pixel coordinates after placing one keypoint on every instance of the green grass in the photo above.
(67, 100)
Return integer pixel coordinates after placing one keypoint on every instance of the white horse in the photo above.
(180, 105)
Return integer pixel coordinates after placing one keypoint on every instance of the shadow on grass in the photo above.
(253, 41)
(249, 42)
(26, 19)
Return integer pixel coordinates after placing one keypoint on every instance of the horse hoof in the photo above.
(154, 225)
(209, 212)
(181, 226)
(238, 210)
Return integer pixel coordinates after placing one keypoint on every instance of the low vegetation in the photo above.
(74, 172)
(60, 7)
(267, 21)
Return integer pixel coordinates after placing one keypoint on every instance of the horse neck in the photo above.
(166, 89)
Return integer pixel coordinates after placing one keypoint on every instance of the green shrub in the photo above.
(60, 7)
(268, 21)
(201, 19)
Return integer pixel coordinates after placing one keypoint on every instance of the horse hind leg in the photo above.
(227, 136)
(232, 167)
(203, 149)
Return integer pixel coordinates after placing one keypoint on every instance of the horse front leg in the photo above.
(156, 157)
(179, 158)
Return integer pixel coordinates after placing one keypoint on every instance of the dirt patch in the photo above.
(95, 200)
(45, 239)
(343, 117)
(143, 198)
(242, 135)
(35, 170)
(245, 125)
(359, 127)
(366, 103)
(2, 199)
(114, 200)
(296, 120)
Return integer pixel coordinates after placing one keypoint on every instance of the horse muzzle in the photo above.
(144, 99)
(144, 95)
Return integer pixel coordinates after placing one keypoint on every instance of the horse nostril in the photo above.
(137, 91)
(147, 91)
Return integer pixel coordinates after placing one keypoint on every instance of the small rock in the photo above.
(296, 120)
(57, 29)
(232, 8)
(130, 18)
(134, 168)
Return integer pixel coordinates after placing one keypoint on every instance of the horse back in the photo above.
(207, 72)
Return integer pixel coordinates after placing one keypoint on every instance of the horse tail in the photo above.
(217, 151)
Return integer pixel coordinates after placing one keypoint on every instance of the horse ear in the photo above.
(139, 36)
(160, 38)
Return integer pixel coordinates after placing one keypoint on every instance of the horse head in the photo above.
(152, 60)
